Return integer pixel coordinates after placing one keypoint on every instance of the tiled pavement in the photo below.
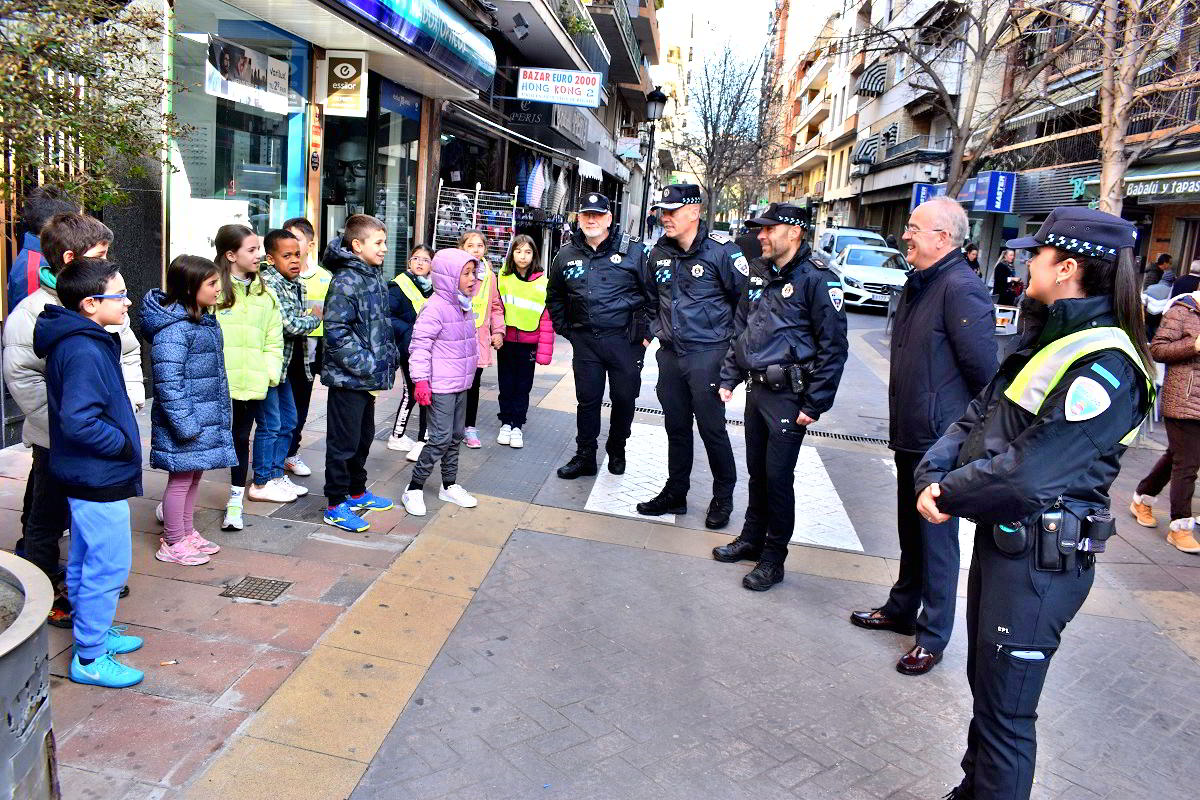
(602, 656)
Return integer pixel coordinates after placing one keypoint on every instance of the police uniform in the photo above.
(698, 290)
(790, 347)
(599, 300)
(1031, 462)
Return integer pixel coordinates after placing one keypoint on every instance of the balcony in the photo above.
(847, 130)
(645, 25)
(815, 112)
(809, 155)
(611, 18)
(635, 94)
(815, 75)
(546, 41)
(857, 63)
(925, 142)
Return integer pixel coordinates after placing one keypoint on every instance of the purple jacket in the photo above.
(443, 349)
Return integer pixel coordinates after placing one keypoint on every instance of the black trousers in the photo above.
(473, 397)
(772, 448)
(514, 369)
(927, 587)
(400, 427)
(44, 516)
(349, 431)
(244, 412)
(1015, 619)
(301, 392)
(687, 390)
(597, 356)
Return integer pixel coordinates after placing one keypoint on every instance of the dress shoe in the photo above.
(578, 467)
(616, 463)
(737, 550)
(763, 576)
(665, 502)
(917, 661)
(875, 620)
(960, 792)
(718, 513)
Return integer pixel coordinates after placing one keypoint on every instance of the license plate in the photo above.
(882, 298)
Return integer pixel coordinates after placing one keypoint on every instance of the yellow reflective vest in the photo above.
(480, 302)
(524, 301)
(411, 291)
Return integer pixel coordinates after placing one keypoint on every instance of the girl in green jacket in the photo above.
(253, 333)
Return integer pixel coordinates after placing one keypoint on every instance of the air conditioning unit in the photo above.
(859, 170)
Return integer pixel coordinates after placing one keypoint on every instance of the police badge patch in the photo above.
(614, 258)
(698, 271)
(1086, 399)
(741, 265)
(787, 290)
(836, 297)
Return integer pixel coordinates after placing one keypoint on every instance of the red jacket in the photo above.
(543, 337)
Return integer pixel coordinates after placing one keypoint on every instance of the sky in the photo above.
(739, 21)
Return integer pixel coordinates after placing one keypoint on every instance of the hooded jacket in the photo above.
(444, 350)
(1174, 344)
(401, 313)
(360, 349)
(191, 417)
(95, 447)
(25, 373)
(252, 331)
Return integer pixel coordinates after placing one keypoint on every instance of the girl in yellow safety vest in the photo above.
(489, 325)
(528, 336)
(406, 297)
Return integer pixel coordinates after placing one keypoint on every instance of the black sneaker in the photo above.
(665, 502)
(763, 576)
(719, 511)
(578, 467)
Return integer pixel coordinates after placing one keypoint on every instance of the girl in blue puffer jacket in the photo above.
(192, 417)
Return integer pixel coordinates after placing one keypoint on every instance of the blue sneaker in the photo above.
(370, 502)
(342, 516)
(105, 671)
(119, 643)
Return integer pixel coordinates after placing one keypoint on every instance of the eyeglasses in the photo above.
(915, 229)
(422, 259)
(121, 296)
(357, 167)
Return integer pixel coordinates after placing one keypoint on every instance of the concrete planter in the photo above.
(27, 763)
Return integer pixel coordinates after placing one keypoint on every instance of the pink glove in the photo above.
(423, 393)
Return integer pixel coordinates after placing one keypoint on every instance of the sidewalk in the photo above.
(532, 648)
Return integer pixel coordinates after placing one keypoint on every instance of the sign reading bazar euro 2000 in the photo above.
(563, 86)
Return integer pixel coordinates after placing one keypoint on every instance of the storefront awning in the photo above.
(587, 169)
(495, 128)
(873, 80)
(865, 150)
(1072, 97)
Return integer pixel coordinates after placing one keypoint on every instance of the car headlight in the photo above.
(851, 282)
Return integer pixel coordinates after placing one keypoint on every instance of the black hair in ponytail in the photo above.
(1121, 280)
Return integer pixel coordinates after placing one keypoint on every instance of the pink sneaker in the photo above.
(181, 552)
(201, 544)
(471, 438)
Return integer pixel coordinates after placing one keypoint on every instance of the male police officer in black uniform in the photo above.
(699, 277)
(599, 300)
(790, 347)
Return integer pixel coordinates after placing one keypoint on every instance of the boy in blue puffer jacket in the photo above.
(95, 454)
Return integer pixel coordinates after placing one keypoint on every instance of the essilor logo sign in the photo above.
(345, 70)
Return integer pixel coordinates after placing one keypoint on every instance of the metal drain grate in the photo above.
(841, 437)
(252, 588)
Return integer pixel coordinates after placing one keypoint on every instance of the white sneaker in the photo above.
(517, 439)
(457, 495)
(233, 517)
(158, 515)
(415, 453)
(294, 488)
(296, 466)
(505, 434)
(414, 502)
(400, 443)
(272, 492)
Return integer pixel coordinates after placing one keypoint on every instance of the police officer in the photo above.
(1031, 462)
(790, 348)
(699, 278)
(599, 300)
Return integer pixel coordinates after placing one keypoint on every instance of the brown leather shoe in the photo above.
(875, 620)
(917, 661)
(1144, 514)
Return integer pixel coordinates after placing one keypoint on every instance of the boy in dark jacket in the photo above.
(360, 361)
(95, 454)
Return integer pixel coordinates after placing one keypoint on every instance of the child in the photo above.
(253, 347)
(276, 419)
(306, 360)
(96, 456)
(489, 324)
(442, 358)
(44, 513)
(529, 336)
(191, 417)
(406, 296)
(360, 361)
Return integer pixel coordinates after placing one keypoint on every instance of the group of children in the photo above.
(235, 343)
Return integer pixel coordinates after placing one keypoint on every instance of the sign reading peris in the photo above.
(562, 86)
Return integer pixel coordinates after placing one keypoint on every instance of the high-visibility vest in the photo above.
(524, 301)
(1045, 369)
(411, 291)
(482, 298)
(316, 286)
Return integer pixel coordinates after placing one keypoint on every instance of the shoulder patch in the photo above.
(837, 297)
(741, 264)
(720, 236)
(1086, 399)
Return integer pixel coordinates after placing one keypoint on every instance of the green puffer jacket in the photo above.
(253, 333)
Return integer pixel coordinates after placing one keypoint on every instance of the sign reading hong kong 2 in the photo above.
(563, 86)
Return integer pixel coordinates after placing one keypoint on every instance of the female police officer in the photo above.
(1032, 461)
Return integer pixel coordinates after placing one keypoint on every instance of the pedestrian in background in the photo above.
(528, 336)
(191, 419)
(943, 353)
(1154, 274)
(489, 326)
(306, 357)
(41, 204)
(1003, 275)
(407, 295)
(971, 252)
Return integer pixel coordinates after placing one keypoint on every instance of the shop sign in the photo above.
(1173, 187)
(563, 120)
(925, 191)
(565, 86)
(238, 73)
(315, 131)
(994, 191)
(629, 147)
(395, 98)
(571, 123)
(345, 80)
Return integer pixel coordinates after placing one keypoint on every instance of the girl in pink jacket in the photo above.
(528, 336)
(489, 324)
(442, 356)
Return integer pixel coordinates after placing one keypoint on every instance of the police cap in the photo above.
(678, 195)
(781, 214)
(1081, 230)
(594, 202)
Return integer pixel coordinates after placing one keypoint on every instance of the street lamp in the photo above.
(656, 101)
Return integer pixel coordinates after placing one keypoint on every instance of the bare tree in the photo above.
(733, 133)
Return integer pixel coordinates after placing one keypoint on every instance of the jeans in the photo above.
(514, 369)
(98, 564)
(350, 429)
(276, 421)
(447, 423)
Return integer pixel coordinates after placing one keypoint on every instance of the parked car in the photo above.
(870, 274)
(835, 240)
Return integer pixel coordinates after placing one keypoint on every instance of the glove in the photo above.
(423, 393)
